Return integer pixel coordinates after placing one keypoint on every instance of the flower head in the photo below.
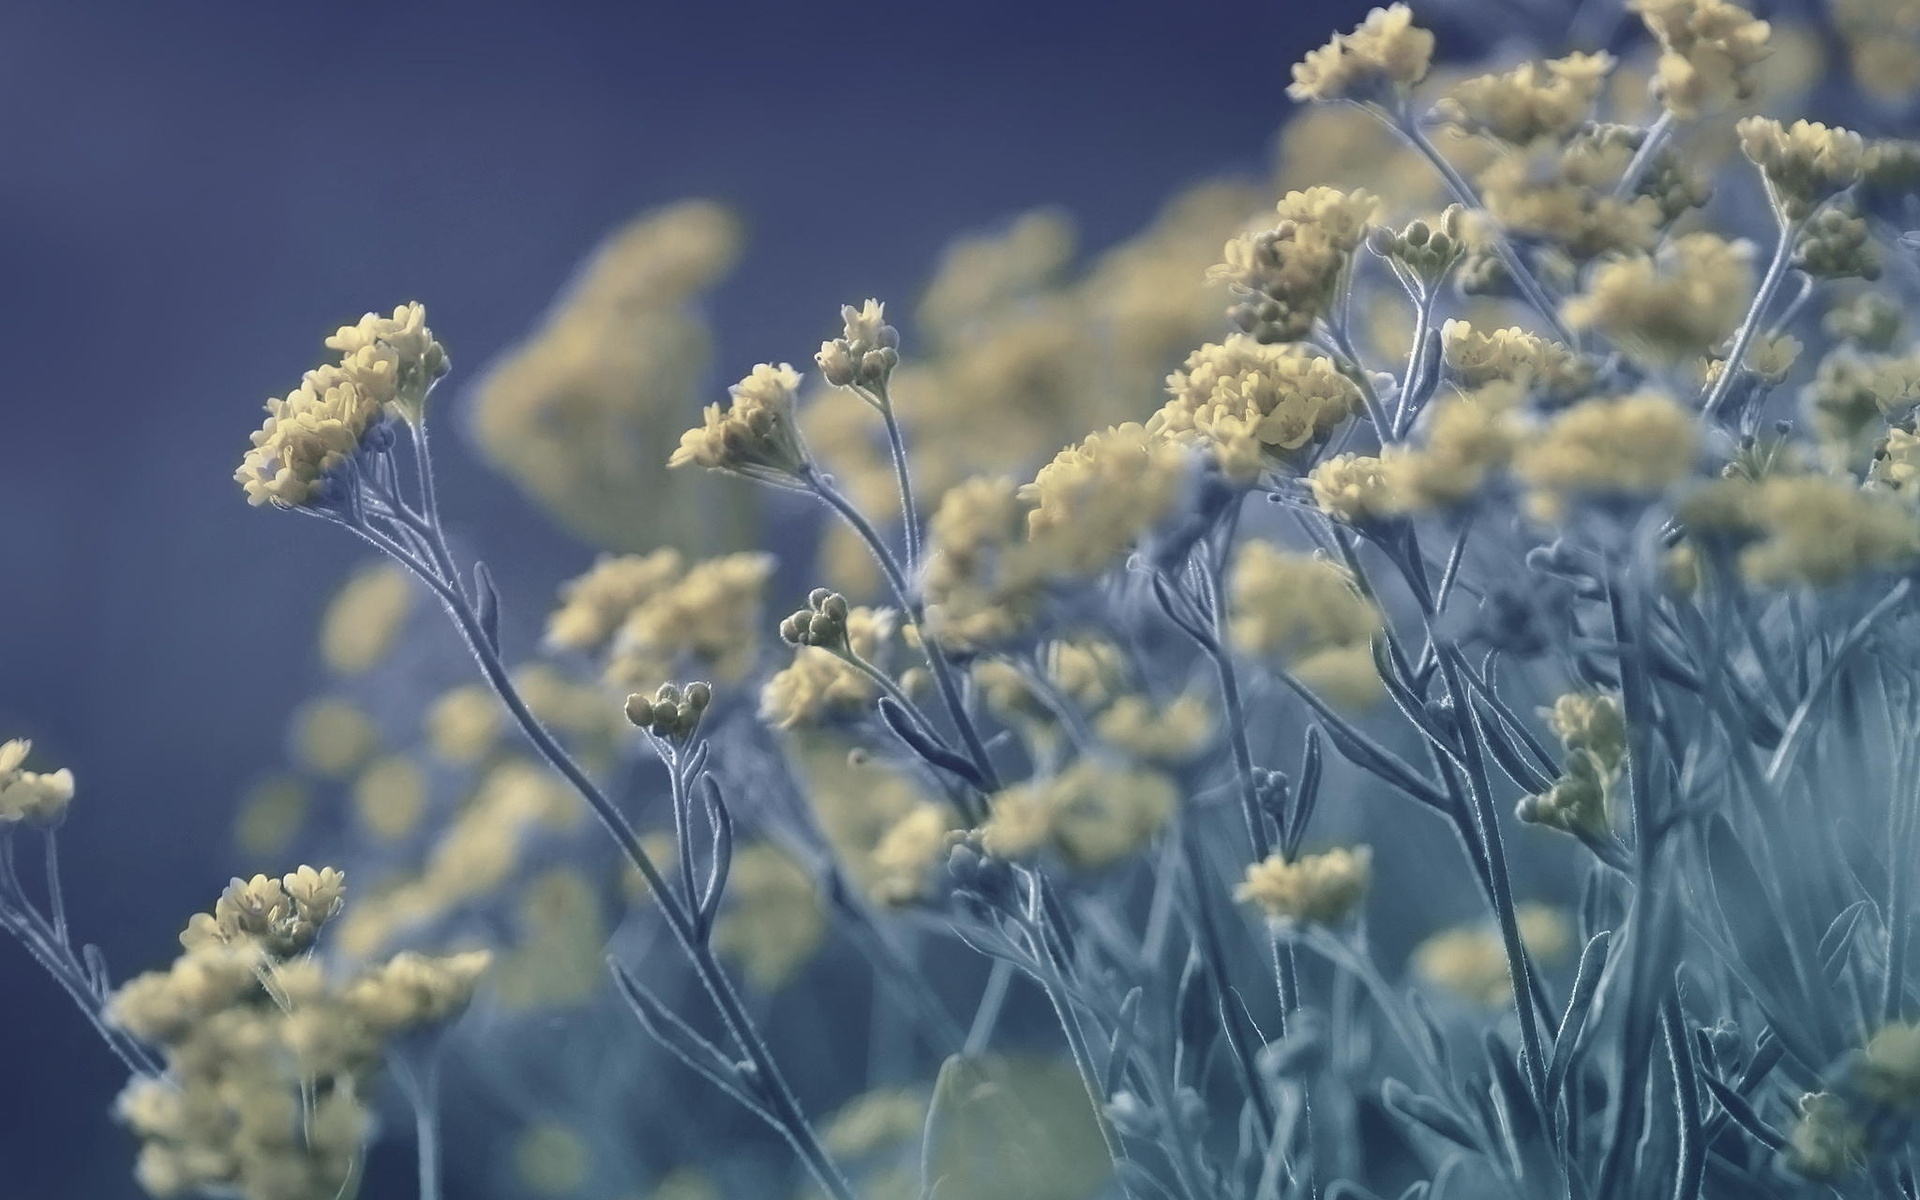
(1383, 57)
(318, 429)
(865, 353)
(1804, 163)
(1634, 446)
(31, 796)
(395, 359)
(1533, 101)
(1708, 52)
(755, 435)
(1314, 889)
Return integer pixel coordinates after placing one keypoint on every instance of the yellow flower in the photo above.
(755, 435)
(1090, 505)
(1530, 102)
(1253, 405)
(1093, 814)
(318, 428)
(1804, 163)
(1672, 306)
(1471, 961)
(1305, 612)
(391, 797)
(1168, 733)
(1827, 1142)
(1354, 487)
(904, 859)
(865, 353)
(413, 991)
(464, 724)
(395, 359)
(1709, 49)
(1511, 355)
(333, 738)
(32, 796)
(1287, 273)
(773, 920)
(1385, 56)
(1633, 446)
(1314, 889)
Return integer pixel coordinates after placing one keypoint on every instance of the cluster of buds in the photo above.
(672, 712)
(31, 795)
(1425, 251)
(822, 623)
(864, 355)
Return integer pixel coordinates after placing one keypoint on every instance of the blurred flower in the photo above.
(1314, 889)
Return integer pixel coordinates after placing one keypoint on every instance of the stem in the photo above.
(1769, 284)
(916, 614)
(421, 1090)
(1655, 141)
(769, 1082)
(1463, 191)
(903, 479)
(992, 1001)
(56, 896)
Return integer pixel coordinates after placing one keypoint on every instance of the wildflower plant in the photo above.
(1449, 742)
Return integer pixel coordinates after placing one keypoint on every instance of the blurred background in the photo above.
(193, 194)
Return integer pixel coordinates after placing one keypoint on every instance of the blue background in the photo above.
(192, 195)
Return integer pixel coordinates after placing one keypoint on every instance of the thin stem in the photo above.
(790, 1120)
(1651, 145)
(1523, 278)
(56, 895)
(903, 480)
(422, 1092)
(937, 663)
(1743, 338)
(993, 1000)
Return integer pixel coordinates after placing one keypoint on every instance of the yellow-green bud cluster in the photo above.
(823, 622)
(671, 712)
(865, 353)
(1425, 250)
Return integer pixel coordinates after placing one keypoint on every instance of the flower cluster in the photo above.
(1315, 889)
(271, 1063)
(34, 796)
(317, 430)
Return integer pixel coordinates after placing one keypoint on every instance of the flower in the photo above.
(1511, 355)
(364, 619)
(1471, 960)
(1633, 446)
(1306, 612)
(1708, 52)
(311, 434)
(1354, 488)
(773, 920)
(1531, 102)
(865, 353)
(319, 428)
(1314, 889)
(396, 359)
(31, 796)
(1287, 274)
(755, 435)
(904, 858)
(1383, 57)
(1089, 506)
(1093, 814)
(1805, 163)
(412, 991)
(1673, 305)
(1253, 405)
